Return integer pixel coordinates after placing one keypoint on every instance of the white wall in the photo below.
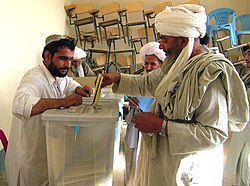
(24, 26)
(239, 6)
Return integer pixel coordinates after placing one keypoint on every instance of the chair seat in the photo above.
(135, 40)
(98, 50)
(124, 68)
(114, 37)
(136, 23)
(242, 32)
(122, 50)
(109, 22)
(84, 21)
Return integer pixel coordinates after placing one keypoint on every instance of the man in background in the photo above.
(46, 86)
(243, 68)
(80, 68)
(152, 58)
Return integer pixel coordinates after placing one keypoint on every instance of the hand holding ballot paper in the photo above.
(97, 93)
(140, 104)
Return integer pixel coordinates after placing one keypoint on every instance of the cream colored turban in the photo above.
(152, 48)
(187, 20)
(79, 53)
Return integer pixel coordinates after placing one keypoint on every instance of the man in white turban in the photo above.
(196, 103)
(152, 56)
(78, 67)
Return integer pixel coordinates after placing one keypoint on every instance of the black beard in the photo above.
(56, 71)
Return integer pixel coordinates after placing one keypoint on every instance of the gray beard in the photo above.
(172, 55)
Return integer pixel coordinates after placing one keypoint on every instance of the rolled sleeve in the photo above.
(23, 104)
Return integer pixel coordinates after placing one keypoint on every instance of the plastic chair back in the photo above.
(222, 18)
(244, 21)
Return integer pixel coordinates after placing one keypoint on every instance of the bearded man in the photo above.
(196, 103)
(46, 86)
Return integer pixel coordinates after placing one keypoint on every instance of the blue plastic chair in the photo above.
(244, 21)
(222, 17)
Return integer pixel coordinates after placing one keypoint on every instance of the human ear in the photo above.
(183, 41)
(47, 57)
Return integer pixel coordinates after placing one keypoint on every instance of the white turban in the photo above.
(152, 48)
(79, 53)
(187, 20)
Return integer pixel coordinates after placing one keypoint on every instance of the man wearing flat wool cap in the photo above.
(196, 104)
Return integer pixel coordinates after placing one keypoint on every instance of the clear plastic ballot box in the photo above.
(80, 144)
(106, 96)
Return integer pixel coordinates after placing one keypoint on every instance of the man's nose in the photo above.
(67, 63)
(160, 46)
(149, 66)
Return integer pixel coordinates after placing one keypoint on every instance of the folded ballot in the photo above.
(97, 93)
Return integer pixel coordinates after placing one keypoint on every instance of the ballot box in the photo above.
(106, 96)
(80, 144)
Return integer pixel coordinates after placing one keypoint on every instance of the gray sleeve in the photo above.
(137, 85)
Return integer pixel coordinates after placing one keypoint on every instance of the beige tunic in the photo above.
(200, 110)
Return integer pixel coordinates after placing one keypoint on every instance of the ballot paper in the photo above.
(97, 93)
(144, 103)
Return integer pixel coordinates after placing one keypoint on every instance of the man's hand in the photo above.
(108, 79)
(133, 102)
(148, 122)
(72, 100)
(84, 91)
(50, 103)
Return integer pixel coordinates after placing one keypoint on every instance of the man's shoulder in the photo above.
(35, 74)
(212, 55)
(207, 59)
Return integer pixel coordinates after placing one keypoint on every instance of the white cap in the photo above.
(79, 53)
(152, 48)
